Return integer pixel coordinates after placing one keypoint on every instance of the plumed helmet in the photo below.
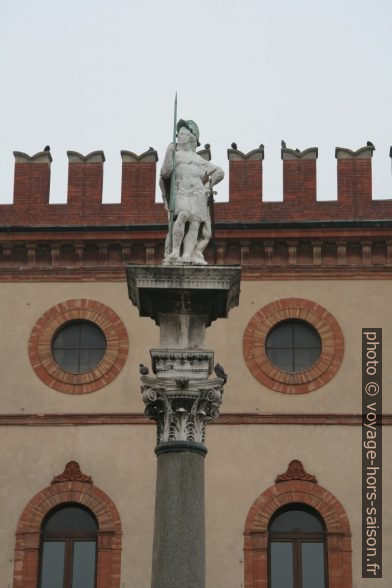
(191, 126)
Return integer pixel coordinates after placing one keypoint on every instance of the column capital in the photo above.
(181, 407)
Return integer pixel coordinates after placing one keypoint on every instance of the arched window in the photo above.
(65, 533)
(297, 554)
(299, 527)
(68, 548)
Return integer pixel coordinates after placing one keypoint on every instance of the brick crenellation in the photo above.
(138, 207)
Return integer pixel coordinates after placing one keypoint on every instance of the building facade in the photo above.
(288, 442)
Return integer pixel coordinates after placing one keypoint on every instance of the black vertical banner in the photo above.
(371, 453)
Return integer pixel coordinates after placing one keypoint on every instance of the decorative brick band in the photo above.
(226, 418)
(332, 346)
(28, 532)
(338, 533)
(40, 351)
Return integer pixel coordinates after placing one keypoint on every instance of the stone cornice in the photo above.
(158, 290)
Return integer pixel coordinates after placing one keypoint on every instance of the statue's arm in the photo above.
(167, 166)
(216, 173)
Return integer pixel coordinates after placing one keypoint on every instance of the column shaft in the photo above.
(179, 533)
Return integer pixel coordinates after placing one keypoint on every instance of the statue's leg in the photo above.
(205, 237)
(190, 240)
(202, 243)
(178, 235)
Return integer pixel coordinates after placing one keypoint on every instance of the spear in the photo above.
(172, 200)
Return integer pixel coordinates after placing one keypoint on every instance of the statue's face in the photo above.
(183, 136)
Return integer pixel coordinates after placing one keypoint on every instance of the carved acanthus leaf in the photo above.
(72, 473)
(295, 471)
(181, 413)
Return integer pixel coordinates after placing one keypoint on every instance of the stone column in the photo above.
(181, 397)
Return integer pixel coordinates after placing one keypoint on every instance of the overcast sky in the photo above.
(91, 74)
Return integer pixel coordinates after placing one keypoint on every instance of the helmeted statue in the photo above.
(193, 181)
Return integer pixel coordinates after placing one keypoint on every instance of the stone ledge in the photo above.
(198, 290)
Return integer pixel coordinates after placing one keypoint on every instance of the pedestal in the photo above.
(181, 397)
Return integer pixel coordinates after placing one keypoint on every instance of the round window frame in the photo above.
(261, 367)
(48, 325)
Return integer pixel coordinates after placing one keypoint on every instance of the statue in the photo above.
(191, 191)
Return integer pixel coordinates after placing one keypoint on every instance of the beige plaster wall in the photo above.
(354, 303)
(243, 461)
(121, 461)
(22, 391)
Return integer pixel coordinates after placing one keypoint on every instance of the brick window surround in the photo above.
(81, 491)
(44, 330)
(332, 346)
(338, 534)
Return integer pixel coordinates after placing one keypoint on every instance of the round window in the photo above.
(78, 346)
(293, 346)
